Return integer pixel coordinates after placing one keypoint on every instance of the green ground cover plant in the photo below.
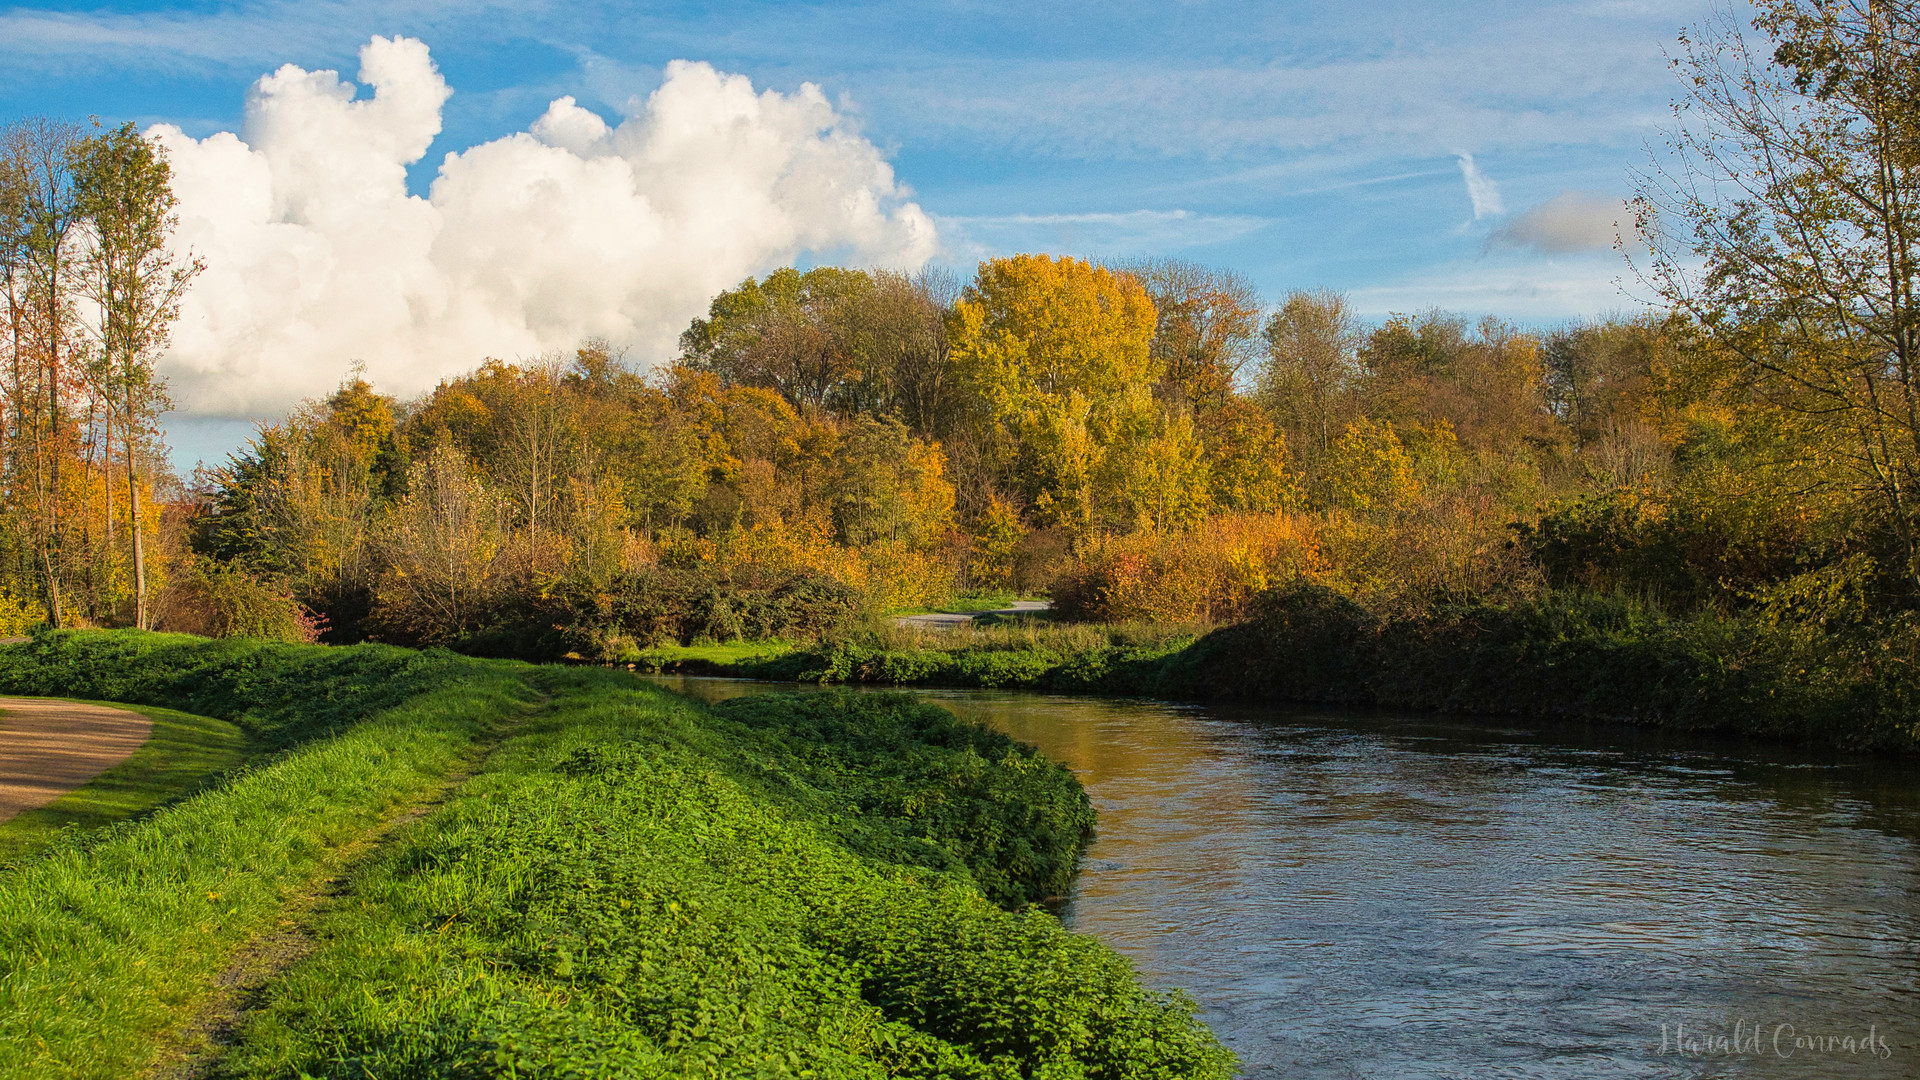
(630, 884)
(929, 789)
(184, 754)
(110, 939)
(642, 887)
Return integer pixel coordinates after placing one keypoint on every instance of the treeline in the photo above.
(1145, 441)
(1142, 441)
(840, 440)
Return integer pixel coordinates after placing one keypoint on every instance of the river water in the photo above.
(1405, 897)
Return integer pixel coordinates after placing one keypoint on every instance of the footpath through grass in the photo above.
(645, 888)
(633, 885)
(110, 940)
(183, 754)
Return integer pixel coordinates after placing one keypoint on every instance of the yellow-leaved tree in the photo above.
(1057, 353)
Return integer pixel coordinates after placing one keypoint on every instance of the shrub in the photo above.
(664, 605)
(1207, 574)
(214, 599)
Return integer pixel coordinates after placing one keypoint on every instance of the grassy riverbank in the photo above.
(1785, 672)
(1019, 653)
(628, 884)
(112, 940)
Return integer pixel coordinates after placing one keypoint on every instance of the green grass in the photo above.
(675, 657)
(632, 885)
(638, 887)
(183, 754)
(108, 944)
(967, 605)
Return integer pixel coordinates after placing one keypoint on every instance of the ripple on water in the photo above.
(1368, 896)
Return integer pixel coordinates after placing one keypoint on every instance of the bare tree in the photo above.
(1207, 327)
(1312, 370)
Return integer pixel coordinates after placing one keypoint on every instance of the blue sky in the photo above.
(1304, 144)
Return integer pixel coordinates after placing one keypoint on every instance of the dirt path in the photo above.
(941, 620)
(49, 747)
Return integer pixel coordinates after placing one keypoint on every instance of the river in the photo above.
(1403, 897)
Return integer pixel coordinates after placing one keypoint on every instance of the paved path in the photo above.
(49, 747)
(941, 620)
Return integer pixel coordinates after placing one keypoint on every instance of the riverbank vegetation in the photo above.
(564, 872)
(1727, 473)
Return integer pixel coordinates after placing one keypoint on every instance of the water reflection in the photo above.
(1366, 896)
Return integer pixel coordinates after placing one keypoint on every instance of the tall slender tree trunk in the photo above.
(134, 524)
(52, 504)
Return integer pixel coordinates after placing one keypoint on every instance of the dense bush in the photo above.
(1801, 663)
(1206, 574)
(1811, 659)
(662, 605)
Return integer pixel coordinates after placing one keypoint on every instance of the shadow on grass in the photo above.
(184, 754)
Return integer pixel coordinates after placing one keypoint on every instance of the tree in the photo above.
(1311, 373)
(1048, 351)
(1785, 227)
(1207, 325)
(441, 545)
(40, 216)
(843, 341)
(1032, 326)
(123, 191)
(1153, 475)
(1369, 471)
(793, 333)
(1246, 459)
(1485, 381)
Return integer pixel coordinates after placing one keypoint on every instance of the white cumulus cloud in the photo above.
(318, 257)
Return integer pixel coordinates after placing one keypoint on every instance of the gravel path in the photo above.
(940, 620)
(49, 747)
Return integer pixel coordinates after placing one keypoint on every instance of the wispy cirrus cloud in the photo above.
(1126, 233)
(1481, 190)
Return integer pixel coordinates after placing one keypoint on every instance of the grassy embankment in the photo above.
(110, 940)
(1811, 680)
(631, 885)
